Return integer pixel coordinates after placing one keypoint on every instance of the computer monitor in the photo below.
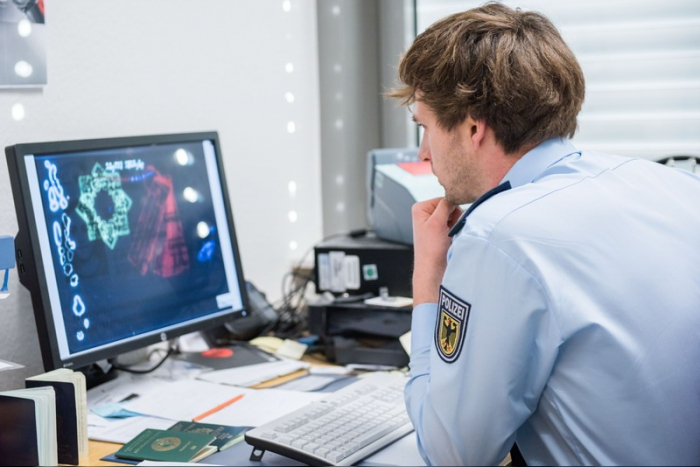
(124, 242)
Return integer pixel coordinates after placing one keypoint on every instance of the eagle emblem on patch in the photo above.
(451, 328)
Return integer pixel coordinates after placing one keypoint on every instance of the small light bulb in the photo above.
(289, 67)
(339, 179)
(23, 69)
(291, 127)
(292, 216)
(289, 96)
(339, 124)
(336, 10)
(337, 68)
(292, 188)
(340, 207)
(24, 28)
(18, 112)
(287, 5)
(293, 245)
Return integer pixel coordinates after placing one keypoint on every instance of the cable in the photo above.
(116, 366)
(292, 309)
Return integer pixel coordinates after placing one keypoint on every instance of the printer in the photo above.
(397, 179)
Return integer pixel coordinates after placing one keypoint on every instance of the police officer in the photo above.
(561, 311)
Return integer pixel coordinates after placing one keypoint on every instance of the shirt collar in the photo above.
(535, 161)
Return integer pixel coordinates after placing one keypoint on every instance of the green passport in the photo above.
(168, 446)
(226, 436)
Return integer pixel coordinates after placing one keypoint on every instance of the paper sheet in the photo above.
(261, 406)
(122, 430)
(126, 385)
(184, 400)
(251, 375)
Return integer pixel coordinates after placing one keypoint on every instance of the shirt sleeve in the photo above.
(467, 411)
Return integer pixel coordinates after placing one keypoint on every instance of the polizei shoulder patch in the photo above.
(451, 328)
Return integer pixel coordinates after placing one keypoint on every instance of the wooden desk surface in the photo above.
(100, 449)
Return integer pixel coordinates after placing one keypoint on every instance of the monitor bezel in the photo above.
(30, 266)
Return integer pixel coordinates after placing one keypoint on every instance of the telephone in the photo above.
(260, 318)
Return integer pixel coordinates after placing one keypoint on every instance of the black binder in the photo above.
(18, 436)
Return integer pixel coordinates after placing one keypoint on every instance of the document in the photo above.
(184, 400)
(252, 375)
(126, 386)
(121, 430)
(71, 411)
(28, 427)
(260, 406)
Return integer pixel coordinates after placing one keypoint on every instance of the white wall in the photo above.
(166, 66)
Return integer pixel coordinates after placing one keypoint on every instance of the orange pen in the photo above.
(217, 408)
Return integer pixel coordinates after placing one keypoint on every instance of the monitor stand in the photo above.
(98, 373)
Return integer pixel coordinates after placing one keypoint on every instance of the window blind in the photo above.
(641, 61)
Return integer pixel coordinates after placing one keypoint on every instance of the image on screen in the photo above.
(137, 239)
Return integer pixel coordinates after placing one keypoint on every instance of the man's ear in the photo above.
(476, 131)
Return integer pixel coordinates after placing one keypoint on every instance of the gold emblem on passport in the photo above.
(166, 444)
(451, 326)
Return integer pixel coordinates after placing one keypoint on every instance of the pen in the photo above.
(217, 408)
(130, 397)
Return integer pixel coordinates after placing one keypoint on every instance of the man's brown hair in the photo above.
(508, 67)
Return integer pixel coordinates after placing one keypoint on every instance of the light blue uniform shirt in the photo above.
(574, 320)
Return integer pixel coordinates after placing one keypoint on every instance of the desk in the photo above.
(99, 449)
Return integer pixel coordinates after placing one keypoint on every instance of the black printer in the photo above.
(350, 269)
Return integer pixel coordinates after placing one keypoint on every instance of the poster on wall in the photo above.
(22, 43)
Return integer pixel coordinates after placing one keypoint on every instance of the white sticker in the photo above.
(224, 300)
(352, 272)
(324, 272)
(337, 271)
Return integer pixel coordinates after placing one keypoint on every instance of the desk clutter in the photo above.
(45, 423)
(142, 411)
(186, 412)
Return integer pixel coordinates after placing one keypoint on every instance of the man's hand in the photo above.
(432, 221)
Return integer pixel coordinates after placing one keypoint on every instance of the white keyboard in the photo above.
(340, 429)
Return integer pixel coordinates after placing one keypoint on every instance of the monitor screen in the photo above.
(124, 242)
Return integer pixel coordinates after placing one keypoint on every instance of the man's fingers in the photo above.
(449, 212)
(454, 217)
(427, 206)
